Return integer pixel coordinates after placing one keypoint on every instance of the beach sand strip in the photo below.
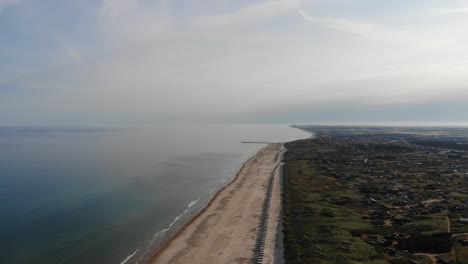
(226, 230)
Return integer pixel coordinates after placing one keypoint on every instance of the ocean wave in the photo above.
(128, 257)
(177, 218)
(223, 180)
(160, 233)
(192, 203)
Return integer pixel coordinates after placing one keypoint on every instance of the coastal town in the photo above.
(376, 197)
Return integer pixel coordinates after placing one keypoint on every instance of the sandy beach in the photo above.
(227, 229)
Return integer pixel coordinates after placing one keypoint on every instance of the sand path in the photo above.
(273, 253)
(227, 230)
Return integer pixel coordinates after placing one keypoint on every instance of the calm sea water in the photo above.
(111, 195)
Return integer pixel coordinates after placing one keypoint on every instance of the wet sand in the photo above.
(226, 230)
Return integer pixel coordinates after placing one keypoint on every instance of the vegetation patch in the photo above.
(373, 198)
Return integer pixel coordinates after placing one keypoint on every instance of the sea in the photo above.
(113, 194)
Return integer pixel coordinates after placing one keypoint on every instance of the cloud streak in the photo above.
(249, 16)
(444, 12)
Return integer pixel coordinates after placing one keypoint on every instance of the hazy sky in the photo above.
(241, 61)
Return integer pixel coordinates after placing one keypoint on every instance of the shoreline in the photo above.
(165, 245)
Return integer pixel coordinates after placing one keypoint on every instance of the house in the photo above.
(463, 220)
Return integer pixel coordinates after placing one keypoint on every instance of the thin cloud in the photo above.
(113, 9)
(420, 38)
(5, 3)
(249, 16)
(444, 12)
(364, 29)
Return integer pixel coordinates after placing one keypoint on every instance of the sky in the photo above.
(100, 62)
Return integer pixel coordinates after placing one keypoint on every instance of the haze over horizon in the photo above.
(272, 61)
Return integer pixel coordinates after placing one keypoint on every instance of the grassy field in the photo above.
(461, 250)
(319, 218)
(328, 220)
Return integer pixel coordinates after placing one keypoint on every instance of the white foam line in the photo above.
(160, 233)
(129, 257)
(192, 203)
(177, 218)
